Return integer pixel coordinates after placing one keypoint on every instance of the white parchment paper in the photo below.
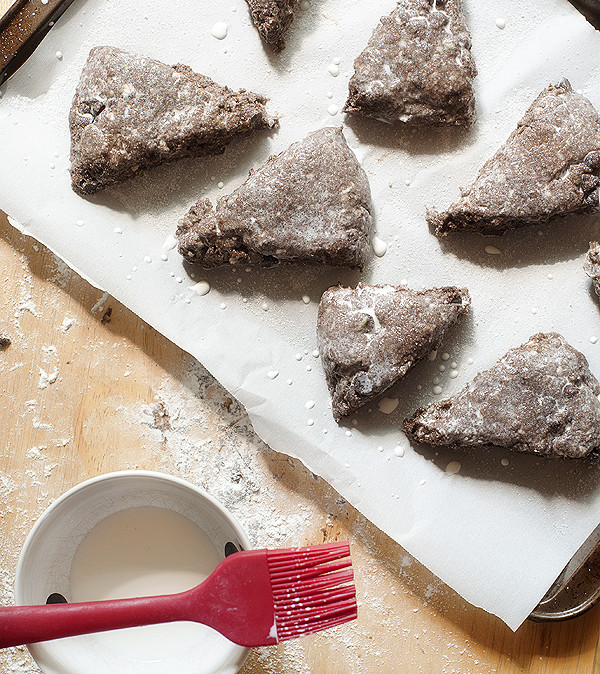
(497, 534)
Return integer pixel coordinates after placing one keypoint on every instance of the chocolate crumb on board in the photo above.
(106, 316)
(370, 336)
(131, 113)
(548, 167)
(272, 19)
(540, 397)
(592, 265)
(161, 419)
(5, 339)
(309, 204)
(417, 67)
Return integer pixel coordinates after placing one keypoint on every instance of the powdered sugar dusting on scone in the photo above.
(309, 204)
(370, 336)
(131, 112)
(548, 166)
(417, 67)
(539, 397)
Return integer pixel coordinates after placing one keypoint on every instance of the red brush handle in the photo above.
(29, 624)
(236, 599)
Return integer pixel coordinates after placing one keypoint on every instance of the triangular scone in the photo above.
(369, 337)
(131, 113)
(547, 167)
(309, 204)
(417, 67)
(539, 397)
(272, 18)
(592, 265)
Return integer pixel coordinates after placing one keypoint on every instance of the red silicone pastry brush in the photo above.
(254, 598)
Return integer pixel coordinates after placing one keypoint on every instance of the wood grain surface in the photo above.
(108, 363)
(4, 5)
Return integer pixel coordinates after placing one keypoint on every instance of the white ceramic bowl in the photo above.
(45, 564)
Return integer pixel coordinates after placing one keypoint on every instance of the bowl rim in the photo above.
(19, 582)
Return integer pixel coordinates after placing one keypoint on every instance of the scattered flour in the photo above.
(17, 660)
(28, 305)
(40, 425)
(233, 476)
(99, 306)
(36, 452)
(205, 436)
(46, 379)
(48, 376)
(68, 322)
(62, 274)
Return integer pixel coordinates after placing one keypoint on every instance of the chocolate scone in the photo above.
(540, 397)
(592, 265)
(272, 18)
(547, 167)
(370, 336)
(309, 204)
(131, 113)
(417, 67)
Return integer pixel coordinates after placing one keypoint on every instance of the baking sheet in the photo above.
(498, 534)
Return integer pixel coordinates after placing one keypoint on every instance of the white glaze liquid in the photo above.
(379, 246)
(201, 288)
(140, 552)
(219, 30)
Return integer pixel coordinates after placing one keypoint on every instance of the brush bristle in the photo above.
(312, 590)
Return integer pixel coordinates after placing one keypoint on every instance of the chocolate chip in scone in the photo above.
(131, 113)
(548, 167)
(311, 204)
(370, 336)
(540, 398)
(417, 67)
(592, 159)
(272, 19)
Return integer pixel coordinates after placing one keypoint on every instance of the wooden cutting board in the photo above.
(112, 371)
